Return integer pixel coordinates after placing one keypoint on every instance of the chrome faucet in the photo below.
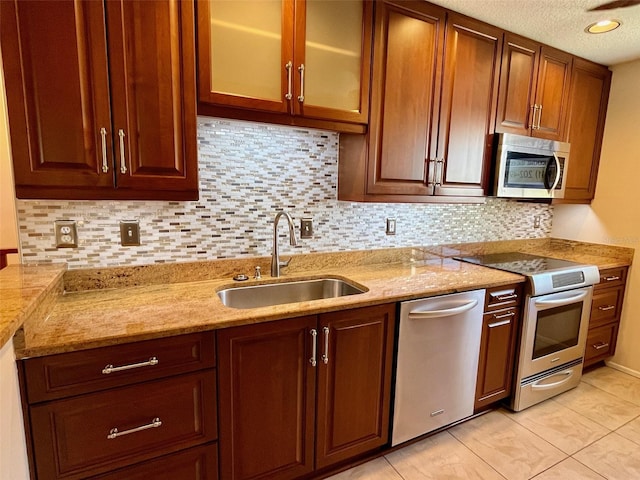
(275, 257)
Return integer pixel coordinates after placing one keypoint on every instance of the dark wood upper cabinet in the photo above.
(587, 110)
(433, 108)
(534, 89)
(97, 116)
(303, 62)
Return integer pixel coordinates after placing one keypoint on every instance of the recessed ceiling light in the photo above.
(603, 26)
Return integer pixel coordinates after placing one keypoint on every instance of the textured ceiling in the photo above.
(561, 24)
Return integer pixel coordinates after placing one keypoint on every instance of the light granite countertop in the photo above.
(101, 307)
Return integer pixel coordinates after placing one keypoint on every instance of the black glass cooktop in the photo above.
(522, 263)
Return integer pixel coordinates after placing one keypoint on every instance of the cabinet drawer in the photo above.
(57, 376)
(601, 343)
(77, 437)
(606, 306)
(612, 277)
(199, 463)
(502, 297)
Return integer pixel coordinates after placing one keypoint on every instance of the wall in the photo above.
(614, 216)
(8, 225)
(247, 172)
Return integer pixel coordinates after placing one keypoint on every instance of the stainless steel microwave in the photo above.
(528, 167)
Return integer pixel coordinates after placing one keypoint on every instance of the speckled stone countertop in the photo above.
(109, 306)
(27, 292)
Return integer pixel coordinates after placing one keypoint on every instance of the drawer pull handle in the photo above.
(504, 315)
(114, 433)
(508, 296)
(499, 324)
(605, 308)
(314, 347)
(612, 278)
(600, 346)
(111, 369)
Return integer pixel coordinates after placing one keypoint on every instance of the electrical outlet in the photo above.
(306, 227)
(66, 234)
(391, 226)
(129, 233)
(536, 221)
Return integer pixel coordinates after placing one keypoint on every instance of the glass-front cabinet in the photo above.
(307, 58)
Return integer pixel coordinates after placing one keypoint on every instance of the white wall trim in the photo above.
(623, 369)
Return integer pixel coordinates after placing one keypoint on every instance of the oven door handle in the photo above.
(562, 301)
(567, 376)
(421, 314)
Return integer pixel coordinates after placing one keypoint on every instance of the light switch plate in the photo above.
(129, 233)
(391, 226)
(306, 227)
(66, 234)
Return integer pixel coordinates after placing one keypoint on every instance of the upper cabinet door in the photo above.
(151, 55)
(534, 89)
(245, 53)
(332, 59)
(468, 106)
(552, 93)
(57, 84)
(517, 85)
(586, 115)
(407, 63)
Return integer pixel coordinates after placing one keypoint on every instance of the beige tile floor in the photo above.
(591, 432)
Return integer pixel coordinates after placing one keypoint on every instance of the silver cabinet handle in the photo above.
(314, 348)
(532, 121)
(301, 70)
(289, 66)
(103, 136)
(611, 279)
(114, 433)
(506, 296)
(325, 354)
(123, 162)
(439, 172)
(431, 181)
(604, 308)
(111, 369)
(499, 324)
(600, 346)
(539, 116)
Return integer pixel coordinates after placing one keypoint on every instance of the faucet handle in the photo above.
(256, 274)
(286, 262)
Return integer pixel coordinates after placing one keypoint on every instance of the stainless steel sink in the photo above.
(253, 296)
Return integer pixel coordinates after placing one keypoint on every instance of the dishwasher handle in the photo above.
(423, 314)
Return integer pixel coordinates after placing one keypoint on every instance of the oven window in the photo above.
(556, 329)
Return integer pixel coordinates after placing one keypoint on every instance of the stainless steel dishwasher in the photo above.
(438, 349)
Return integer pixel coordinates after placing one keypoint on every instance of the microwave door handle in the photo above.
(558, 171)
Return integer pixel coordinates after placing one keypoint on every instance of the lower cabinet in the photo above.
(115, 413)
(299, 395)
(500, 328)
(606, 307)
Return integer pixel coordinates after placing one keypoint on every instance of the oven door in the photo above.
(554, 330)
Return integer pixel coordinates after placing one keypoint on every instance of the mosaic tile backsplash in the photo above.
(248, 172)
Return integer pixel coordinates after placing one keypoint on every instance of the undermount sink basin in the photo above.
(253, 296)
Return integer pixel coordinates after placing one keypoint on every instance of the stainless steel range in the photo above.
(555, 322)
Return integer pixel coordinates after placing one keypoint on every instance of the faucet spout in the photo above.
(275, 256)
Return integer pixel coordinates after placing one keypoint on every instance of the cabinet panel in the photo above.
(267, 387)
(551, 93)
(468, 106)
(354, 381)
(73, 437)
(57, 376)
(601, 343)
(606, 306)
(57, 84)
(154, 95)
(199, 463)
(517, 85)
(497, 356)
(587, 107)
(405, 100)
(243, 48)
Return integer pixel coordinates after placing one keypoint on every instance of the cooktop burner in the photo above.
(546, 275)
